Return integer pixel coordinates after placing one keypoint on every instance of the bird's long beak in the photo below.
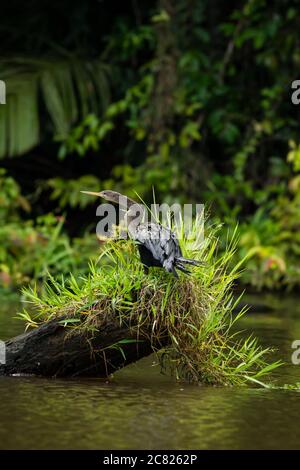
(91, 193)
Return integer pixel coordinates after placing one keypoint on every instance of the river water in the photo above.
(139, 408)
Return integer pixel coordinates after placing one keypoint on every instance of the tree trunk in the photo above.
(53, 350)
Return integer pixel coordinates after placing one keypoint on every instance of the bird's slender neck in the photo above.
(126, 202)
(134, 214)
(132, 208)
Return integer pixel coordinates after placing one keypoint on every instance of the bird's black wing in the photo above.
(160, 241)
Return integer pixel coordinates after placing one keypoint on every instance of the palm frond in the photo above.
(67, 88)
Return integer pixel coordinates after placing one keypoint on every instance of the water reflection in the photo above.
(9, 325)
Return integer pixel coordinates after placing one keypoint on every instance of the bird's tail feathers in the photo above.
(182, 268)
(181, 260)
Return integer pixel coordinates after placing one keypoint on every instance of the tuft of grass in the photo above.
(194, 312)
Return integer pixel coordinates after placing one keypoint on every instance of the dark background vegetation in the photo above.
(191, 98)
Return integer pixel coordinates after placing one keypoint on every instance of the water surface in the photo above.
(140, 408)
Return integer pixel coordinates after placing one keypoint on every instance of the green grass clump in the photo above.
(194, 312)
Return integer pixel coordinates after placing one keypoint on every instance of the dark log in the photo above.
(54, 350)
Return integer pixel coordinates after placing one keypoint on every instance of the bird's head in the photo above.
(112, 196)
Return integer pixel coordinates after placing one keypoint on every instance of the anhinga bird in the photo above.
(158, 246)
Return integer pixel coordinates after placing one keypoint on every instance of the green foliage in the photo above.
(86, 136)
(67, 192)
(30, 249)
(70, 88)
(195, 311)
(148, 95)
(294, 155)
(270, 236)
(10, 197)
